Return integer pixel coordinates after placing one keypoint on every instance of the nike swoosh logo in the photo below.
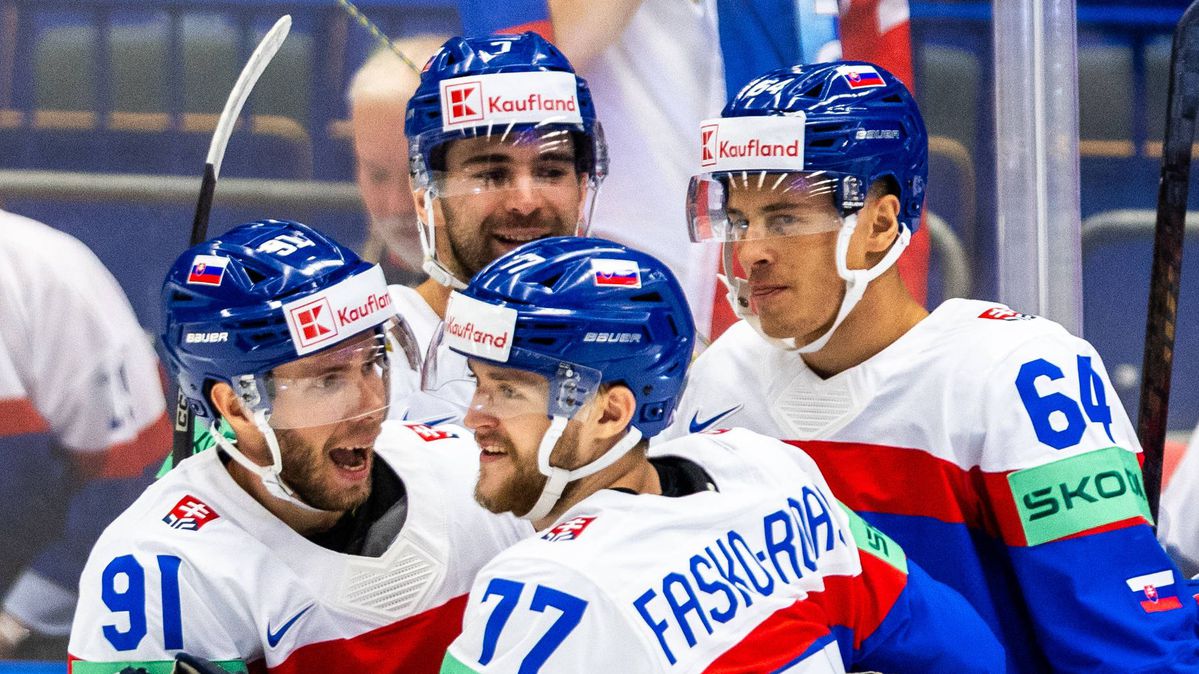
(442, 420)
(273, 638)
(698, 426)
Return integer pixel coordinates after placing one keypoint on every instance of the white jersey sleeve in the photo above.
(530, 614)
(72, 354)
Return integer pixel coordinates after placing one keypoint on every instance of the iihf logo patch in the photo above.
(568, 530)
(708, 139)
(190, 513)
(463, 102)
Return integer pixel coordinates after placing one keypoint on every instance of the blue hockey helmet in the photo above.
(518, 90)
(264, 294)
(582, 304)
(844, 125)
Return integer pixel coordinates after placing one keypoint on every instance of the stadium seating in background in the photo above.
(1117, 249)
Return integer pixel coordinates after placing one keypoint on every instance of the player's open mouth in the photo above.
(490, 454)
(351, 459)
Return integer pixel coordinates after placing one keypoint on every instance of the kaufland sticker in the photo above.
(752, 144)
(521, 98)
(479, 329)
(321, 319)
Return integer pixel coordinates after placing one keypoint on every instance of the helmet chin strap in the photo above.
(560, 477)
(271, 475)
(856, 281)
(428, 243)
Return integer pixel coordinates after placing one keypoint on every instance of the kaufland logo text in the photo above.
(534, 102)
(756, 148)
(708, 144)
(469, 333)
(373, 303)
(464, 102)
(315, 322)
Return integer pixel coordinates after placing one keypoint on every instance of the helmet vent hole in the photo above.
(814, 92)
(542, 341)
(893, 98)
(823, 142)
(550, 281)
(647, 297)
(181, 297)
(255, 276)
(826, 128)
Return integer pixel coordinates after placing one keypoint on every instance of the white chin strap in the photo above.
(856, 281)
(271, 475)
(560, 477)
(428, 243)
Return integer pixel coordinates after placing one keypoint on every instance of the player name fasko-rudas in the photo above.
(727, 575)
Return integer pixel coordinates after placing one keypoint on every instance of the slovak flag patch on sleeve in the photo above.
(623, 273)
(1156, 591)
(862, 77)
(568, 530)
(189, 514)
(207, 270)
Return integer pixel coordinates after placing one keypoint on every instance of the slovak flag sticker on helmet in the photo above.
(623, 273)
(861, 77)
(207, 270)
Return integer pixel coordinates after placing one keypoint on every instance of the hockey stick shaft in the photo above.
(181, 446)
(1169, 231)
(257, 63)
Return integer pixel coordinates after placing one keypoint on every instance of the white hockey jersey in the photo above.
(76, 368)
(991, 445)
(761, 575)
(197, 565)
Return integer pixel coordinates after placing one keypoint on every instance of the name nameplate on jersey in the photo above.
(509, 98)
(752, 144)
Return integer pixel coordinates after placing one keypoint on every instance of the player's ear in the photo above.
(884, 226)
(229, 405)
(616, 408)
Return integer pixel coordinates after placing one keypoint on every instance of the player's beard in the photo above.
(519, 493)
(473, 250)
(305, 470)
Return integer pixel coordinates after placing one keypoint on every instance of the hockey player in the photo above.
(987, 442)
(505, 148)
(321, 539)
(82, 414)
(722, 552)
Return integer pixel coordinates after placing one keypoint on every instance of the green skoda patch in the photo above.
(875, 542)
(149, 667)
(451, 665)
(1082, 492)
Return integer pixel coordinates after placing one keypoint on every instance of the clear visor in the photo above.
(742, 205)
(541, 386)
(338, 384)
(507, 158)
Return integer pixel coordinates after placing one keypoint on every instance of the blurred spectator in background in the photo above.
(657, 68)
(82, 415)
(378, 96)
